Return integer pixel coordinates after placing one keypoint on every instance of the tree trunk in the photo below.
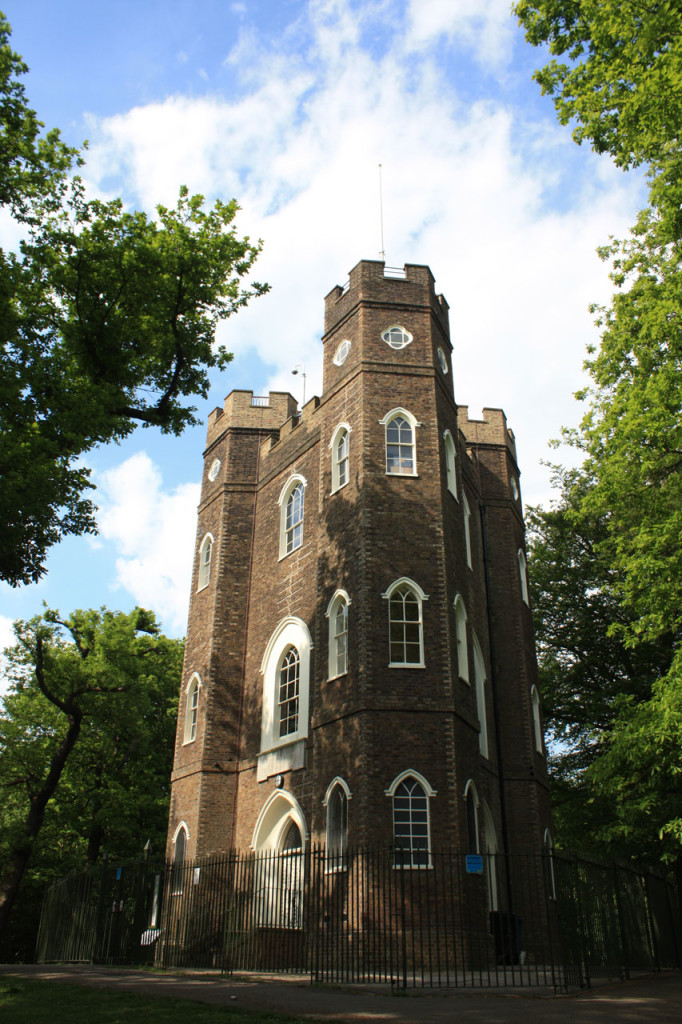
(20, 853)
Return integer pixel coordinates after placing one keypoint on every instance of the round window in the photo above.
(397, 337)
(442, 360)
(214, 470)
(515, 488)
(341, 352)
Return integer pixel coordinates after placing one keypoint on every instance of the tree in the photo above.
(108, 319)
(85, 730)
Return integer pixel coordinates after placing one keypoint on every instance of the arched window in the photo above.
(550, 880)
(489, 850)
(179, 856)
(401, 450)
(471, 798)
(411, 826)
(336, 801)
(462, 645)
(537, 726)
(405, 627)
(467, 527)
(289, 691)
(340, 448)
(523, 576)
(337, 613)
(205, 552)
(479, 676)
(291, 502)
(450, 462)
(192, 709)
(286, 686)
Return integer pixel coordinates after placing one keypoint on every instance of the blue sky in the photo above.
(289, 106)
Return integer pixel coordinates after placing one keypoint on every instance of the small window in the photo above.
(214, 470)
(291, 501)
(462, 645)
(537, 726)
(450, 463)
(471, 797)
(179, 855)
(411, 825)
(406, 633)
(481, 706)
(340, 449)
(401, 457)
(514, 488)
(442, 360)
(289, 688)
(523, 576)
(550, 879)
(292, 841)
(337, 826)
(397, 337)
(192, 709)
(467, 527)
(205, 555)
(341, 353)
(337, 613)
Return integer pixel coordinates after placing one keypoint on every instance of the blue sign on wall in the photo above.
(474, 864)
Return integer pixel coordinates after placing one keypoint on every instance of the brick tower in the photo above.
(360, 664)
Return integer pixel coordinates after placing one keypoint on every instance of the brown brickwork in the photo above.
(237, 783)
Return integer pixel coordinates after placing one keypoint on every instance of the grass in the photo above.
(24, 1001)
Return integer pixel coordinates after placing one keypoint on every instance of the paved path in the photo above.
(653, 998)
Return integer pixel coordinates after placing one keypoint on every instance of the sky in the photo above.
(290, 106)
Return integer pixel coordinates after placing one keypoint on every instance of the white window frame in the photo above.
(462, 639)
(341, 352)
(537, 724)
(192, 697)
(470, 788)
(336, 855)
(405, 581)
(205, 556)
(394, 414)
(450, 463)
(404, 339)
(339, 598)
(290, 486)
(481, 702)
(429, 793)
(442, 360)
(467, 528)
(342, 428)
(523, 575)
(290, 632)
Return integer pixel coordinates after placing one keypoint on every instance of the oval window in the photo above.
(341, 352)
(396, 336)
(442, 360)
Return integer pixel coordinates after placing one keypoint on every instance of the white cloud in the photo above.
(153, 532)
(485, 26)
(6, 640)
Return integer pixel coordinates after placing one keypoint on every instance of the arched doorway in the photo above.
(279, 842)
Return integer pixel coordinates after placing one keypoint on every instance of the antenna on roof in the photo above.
(382, 252)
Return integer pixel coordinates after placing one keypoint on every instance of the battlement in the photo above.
(492, 429)
(244, 409)
(373, 281)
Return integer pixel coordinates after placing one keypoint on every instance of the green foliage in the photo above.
(108, 319)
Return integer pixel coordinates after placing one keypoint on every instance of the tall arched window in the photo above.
(192, 709)
(479, 676)
(489, 850)
(289, 691)
(548, 851)
(405, 627)
(467, 527)
(337, 613)
(537, 726)
(340, 447)
(401, 449)
(336, 801)
(471, 798)
(450, 462)
(411, 826)
(291, 501)
(523, 576)
(179, 856)
(205, 553)
(462, 644)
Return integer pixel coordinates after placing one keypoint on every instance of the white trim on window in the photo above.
(336, 832)
(337, 614)
(291, 502)
(205, 555)
(461, 636)
(411, 795)
(450, 463)
(192, 693)
(274, 818)
(523, 575)
(401, 442)
(481, 704)
(467, 527)
(291, 634)
(179, 858)
(405, 623)
(396, 337)
(340, 453)
(537, 724)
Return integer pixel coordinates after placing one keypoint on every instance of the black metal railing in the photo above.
(361, 915)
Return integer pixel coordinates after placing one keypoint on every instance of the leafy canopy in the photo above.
(108, 319)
